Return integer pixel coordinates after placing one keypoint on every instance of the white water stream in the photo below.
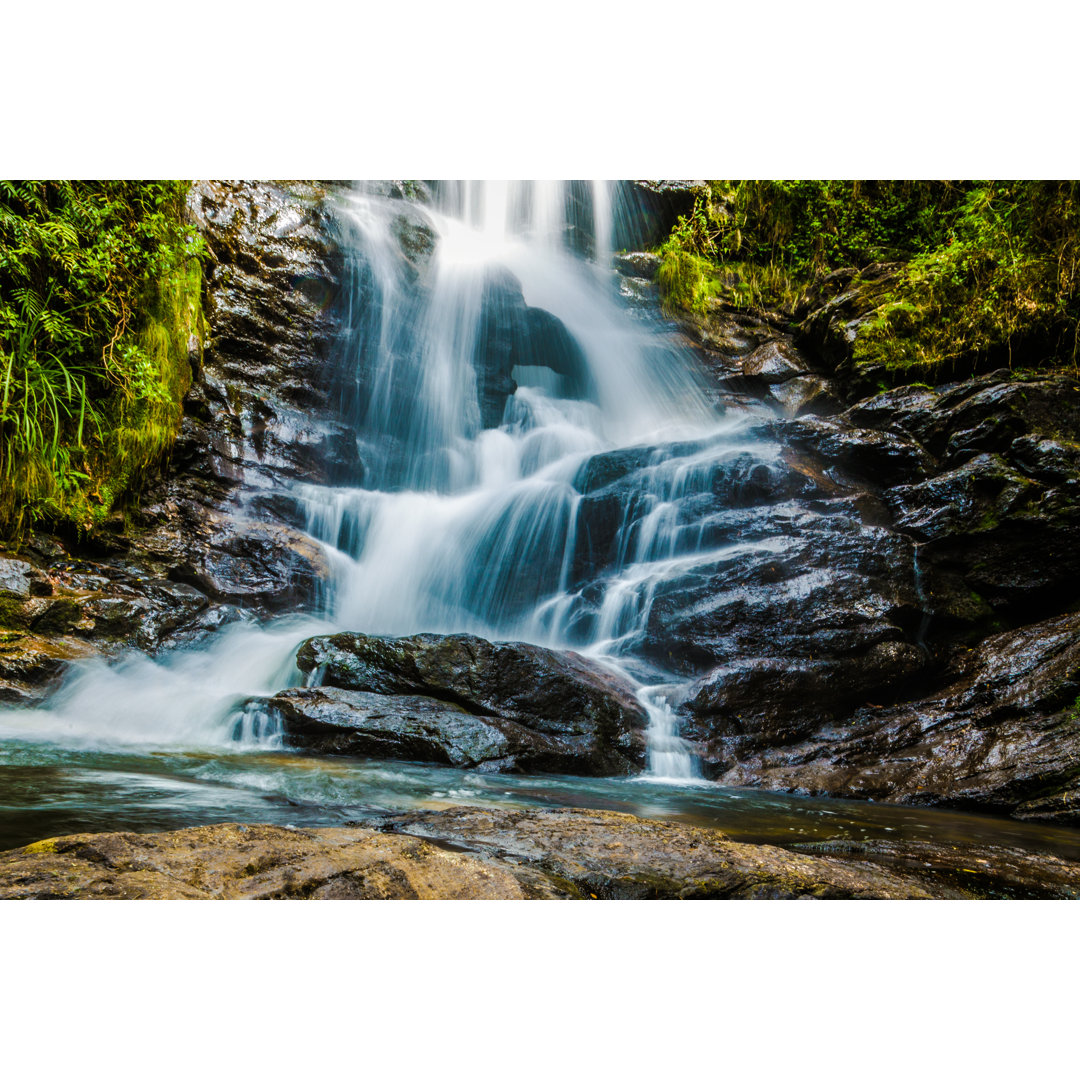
(462, 527)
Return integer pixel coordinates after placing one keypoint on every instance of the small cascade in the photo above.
(669, 757)
(258, 727)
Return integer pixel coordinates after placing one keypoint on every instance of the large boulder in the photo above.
(566, 714)
(511, 334)
(329, 720)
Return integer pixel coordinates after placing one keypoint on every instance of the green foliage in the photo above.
(99, 293)
(810, 227)
(1006, 277)
(983, 267)
(687, 276)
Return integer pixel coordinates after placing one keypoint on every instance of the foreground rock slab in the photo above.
(249, 862)
(463, 853)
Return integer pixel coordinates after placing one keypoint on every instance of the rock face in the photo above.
(260, 410)
(646, 210)
(463, 700)
(498, 854)
(1004, 736)
(835, 644)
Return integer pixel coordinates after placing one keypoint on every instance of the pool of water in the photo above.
(51, 790)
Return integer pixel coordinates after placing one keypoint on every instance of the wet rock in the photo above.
(557, 695)
(759, 701)
(638, 264)
(792, 583)
(1003, 736)
(876, 457)
(970, 498)
(1050, 461)
(15, 577)
(774, 362)
(146, 617)
(31, 665)
(328, 720)
(512, 334)
(803, 395)
(256, 564)
(415, 234)
(639, 293)
(993, 533)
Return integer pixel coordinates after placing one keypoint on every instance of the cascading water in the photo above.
(467, 527)
(494, 380)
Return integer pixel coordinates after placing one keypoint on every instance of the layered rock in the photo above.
(260, 412)
(836, 656)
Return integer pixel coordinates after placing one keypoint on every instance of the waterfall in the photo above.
(492, 375)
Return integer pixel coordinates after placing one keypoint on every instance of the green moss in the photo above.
(42, 847)
(12, 612)
(686, 280)
(141, 419)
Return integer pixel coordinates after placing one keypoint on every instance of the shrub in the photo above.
(99, 295)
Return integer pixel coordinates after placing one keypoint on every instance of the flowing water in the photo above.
(495, 383)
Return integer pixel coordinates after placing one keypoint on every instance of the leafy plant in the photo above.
(93, 341)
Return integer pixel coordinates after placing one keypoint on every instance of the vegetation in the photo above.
(983, 270)
(99, 298)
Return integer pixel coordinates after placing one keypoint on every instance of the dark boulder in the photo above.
(553, 694)
(1004, 735)
(511, 334)
(329, 720)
